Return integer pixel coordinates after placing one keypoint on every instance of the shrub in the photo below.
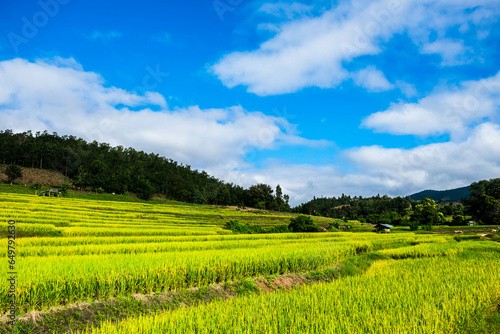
(13, 172)
(303, 223)
(64, 188)
(279, 229)
(458, 219)
(414, 225)
(236, 227)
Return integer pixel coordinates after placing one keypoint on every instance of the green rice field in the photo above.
(74, 251)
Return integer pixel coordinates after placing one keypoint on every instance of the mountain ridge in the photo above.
(450, 195)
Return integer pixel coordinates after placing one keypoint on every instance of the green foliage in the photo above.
(335, 224)
(484, 202)
(414, 225)
(64, 188)
(13, 172)
(261, 205)
(333, 227)
(280, 201)
(495, 237)
(452, 195)
(261, 196)
(279, 229)
(426, 214)
(466, 237)
(458, 219)
(144, 190)
(120, 170)
(357, 208)
(427, 227)
(303, 223)
(388, 217)
(237, 227)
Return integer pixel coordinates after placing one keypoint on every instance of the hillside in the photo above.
(46, 178)
(101, 168)
(451, 195)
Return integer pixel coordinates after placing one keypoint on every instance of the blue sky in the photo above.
(322, 97)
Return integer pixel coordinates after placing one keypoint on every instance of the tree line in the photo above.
(482, 207)
(98, 166)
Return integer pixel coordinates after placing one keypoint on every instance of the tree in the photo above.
(144, 190)
(63, 188)
(261, 194)
(426, 214)
(13, 172)
(458, 219)
(279, 203)
(484, 202)
(303, 223)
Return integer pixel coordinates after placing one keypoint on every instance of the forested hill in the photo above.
(100, 167)
(452, 195)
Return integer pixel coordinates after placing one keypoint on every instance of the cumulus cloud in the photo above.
(304, 181)
(452, 52)
(58, 95)
(448, 110)
(391, 171)
(372, 79)
(438, 165)
(312, 51)
(467, 111)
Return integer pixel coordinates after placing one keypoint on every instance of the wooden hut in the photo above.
(50, 193)
(385, 228)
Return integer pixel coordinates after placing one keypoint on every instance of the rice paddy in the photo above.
(77, 250)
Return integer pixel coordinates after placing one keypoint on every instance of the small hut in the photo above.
(386, 228)
(50, 193)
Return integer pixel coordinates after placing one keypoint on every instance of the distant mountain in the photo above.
(452, 195)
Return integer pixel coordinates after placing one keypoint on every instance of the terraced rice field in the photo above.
(74, 250)
(452, 294)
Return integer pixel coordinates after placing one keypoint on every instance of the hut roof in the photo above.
(385, 225)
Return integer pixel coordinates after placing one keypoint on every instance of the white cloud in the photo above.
(285, 10)
(57, 95)
(312, 51)
(302, 182)
(391, 171)
(437, 166)
(372, 79)
(468, 112)
(407, 89)
(104, 36)
(452, 52)
(448, 110)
